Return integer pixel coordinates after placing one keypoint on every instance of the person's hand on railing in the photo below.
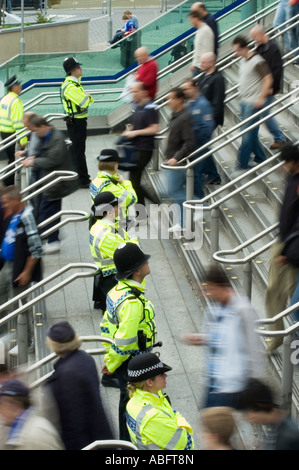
(28, 162)
(20, 154)
(171, 162)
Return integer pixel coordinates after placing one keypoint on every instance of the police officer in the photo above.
(151, 421)
(11, 119)
(76, 102)
(104, 237)
(108, 179)
(129, 319)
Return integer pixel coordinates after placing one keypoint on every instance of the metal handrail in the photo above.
(112, 444)
(251, 256)
(82, 216)
(62, 175)
(279, 316)
(50, 357)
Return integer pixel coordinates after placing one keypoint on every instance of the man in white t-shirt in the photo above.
(204, 40)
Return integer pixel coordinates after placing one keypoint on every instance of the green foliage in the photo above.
(40, 18)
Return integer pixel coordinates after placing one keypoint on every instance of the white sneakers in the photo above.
(50, 248)
(175, 228)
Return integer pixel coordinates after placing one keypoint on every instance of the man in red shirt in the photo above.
(147, 72)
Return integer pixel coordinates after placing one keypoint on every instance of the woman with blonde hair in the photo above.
(151, 421)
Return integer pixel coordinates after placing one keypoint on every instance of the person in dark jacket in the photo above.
(75, 391)
(21, 249)
(209, 20)
(260, 408)
(180, 144)
(53, 156)
(283, 274)
(269, 50)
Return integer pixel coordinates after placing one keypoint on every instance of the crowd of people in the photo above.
(72, 414)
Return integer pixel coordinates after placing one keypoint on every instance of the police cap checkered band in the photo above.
(102, 201)
(145, 366)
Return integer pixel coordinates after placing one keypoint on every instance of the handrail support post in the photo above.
(22, 338)
(247, 279)
(215, 218)
(287, 374)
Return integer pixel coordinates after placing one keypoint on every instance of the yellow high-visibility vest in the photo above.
(154, 425)
(74, 98)
(11, 115)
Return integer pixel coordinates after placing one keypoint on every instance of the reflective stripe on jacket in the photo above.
(11, 115)
(154, 425)
(74, 99)
(127, 314)
(123, 190)
(104, 238)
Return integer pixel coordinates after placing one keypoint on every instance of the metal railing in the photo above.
(50, 357)
(247, 260)
(111, 444)
(20, 312)
(288, 360)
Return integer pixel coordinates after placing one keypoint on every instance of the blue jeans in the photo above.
(232, 400)
(250, 141)
(283, 14)
(176, 180)
(294, 32)
(294, 300)
(271, 123)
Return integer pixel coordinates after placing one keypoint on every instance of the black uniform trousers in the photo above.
(77, 130)
(10, 155)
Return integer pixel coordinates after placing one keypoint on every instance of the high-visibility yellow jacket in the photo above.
(11, 115)
(104, 238)
(154, 425)
(74, 98)
(127, 314)
(123, 190)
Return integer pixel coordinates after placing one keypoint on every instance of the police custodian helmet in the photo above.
(70, 63)
(145, 366)
(128, 258)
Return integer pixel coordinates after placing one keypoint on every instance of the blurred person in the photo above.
(53, 156)
(27, 429)
(32, 149)
(282, 14)
(234, 348)
(204, 40)
(180, 144)
(147, 71)
(129, 320)
(255, 85)
(218, 427)
(11, 115)
(268, 49)
(260, 408)
(144, 126)
(212, 86)
(21, 251)
(7, 4)
(151, 420)
(282, 274)
(76, 102)
(72, 392)
(294, 31)
(203, 125)
(209, 19)
(109, 179)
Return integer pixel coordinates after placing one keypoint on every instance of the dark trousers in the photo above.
(123, 400)
(136, 175)
(46, 210)
(77, 131)
(101, 286)
(10, 155)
